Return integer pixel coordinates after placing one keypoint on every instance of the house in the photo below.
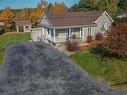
(56, 27)
(1, 23)
(23, 25)
(122, 15)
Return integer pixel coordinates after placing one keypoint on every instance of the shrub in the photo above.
(74, 36)
(116, 42)
(72, 44)
(89, 39)
(99, 50)
(99, 36)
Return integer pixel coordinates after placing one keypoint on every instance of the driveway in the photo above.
(38, 69)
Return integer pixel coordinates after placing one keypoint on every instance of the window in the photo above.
(104, 26)
(89, 31)
(27, 27)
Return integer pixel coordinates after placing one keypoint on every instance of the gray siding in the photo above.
(101, 20)
(61, 34)
(86, 32)
(44, 21)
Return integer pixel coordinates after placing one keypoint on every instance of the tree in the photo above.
(116, 42)
(36, 15)
(43, 4)
(108, 5)
(123, 4)
(85, 5)
(58, 7)
(7, 15)
(23, 14)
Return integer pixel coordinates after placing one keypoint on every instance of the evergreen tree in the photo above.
(123, 4)
(58, 7)
(85, 5)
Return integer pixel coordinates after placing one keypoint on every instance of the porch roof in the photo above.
(73, 18)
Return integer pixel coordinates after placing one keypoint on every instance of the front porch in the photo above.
(58, 35)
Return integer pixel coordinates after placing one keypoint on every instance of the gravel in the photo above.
(38, 69)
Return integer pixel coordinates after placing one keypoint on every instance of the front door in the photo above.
(21, 28)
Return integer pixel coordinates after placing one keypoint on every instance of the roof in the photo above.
(22, 22)
(73, 18)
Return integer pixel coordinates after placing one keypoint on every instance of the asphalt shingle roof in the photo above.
(73, 18)
(22, 22)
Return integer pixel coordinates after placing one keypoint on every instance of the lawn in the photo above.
(11, 37)
(112, 71)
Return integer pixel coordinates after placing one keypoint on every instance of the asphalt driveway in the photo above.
(38, 69)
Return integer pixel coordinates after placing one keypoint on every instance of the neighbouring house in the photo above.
(56, 27)
(1, 23)
(23, 25)
(122, 15)
(1, 27)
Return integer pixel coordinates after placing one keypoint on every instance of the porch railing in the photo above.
(57, 38)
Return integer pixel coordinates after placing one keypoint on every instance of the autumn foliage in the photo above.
(36, 15)
(116, 42)
(7, 15)
(23, 14)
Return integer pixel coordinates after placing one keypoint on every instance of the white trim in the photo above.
(83, 33)
(54, 38)
(77, 26)
(43, 14)
(80, 32)
(69, 32)
(107, 15)
(48, 20)
(17, 28)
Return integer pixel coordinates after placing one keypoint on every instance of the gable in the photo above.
(105, 16)
(44, 21)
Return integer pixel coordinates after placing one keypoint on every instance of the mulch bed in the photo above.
(87, 46)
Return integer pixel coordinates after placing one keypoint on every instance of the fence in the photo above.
(36, 34)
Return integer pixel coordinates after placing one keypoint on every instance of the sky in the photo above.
(30, 3)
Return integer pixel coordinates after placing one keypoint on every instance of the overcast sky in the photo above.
(30, 3)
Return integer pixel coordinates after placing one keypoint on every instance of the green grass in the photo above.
(113, 71)
(11, 37)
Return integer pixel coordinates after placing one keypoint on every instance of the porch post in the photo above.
(43, 31)
(17, 28)
(24, 29)
(54, 33)
(80, 32)
(83, 33)
(50, 34)
(69, 32)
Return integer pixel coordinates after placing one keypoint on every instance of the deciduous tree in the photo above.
(36, 15)
(7, 15)
(23, 14)
(116, 42)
